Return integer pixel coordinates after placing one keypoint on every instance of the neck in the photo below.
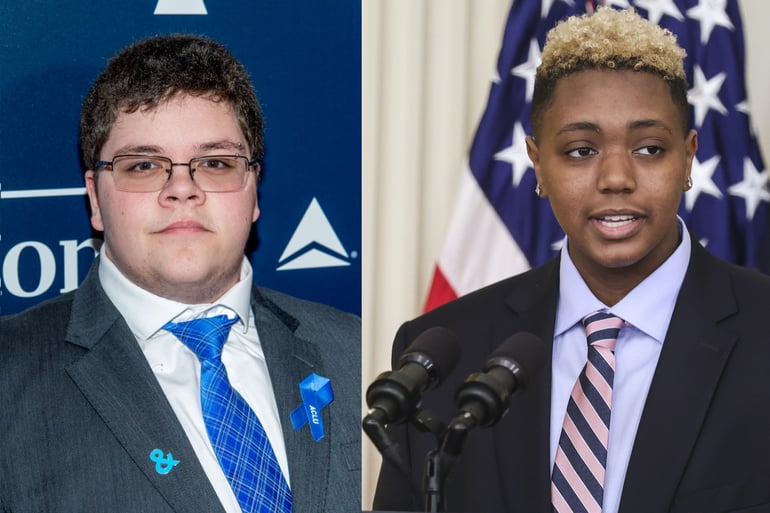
(614, 286)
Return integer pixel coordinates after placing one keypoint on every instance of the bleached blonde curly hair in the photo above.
(609, 39)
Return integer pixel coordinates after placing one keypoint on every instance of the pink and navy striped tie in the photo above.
(577, 482)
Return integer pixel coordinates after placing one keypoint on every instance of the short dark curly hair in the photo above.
(156, 69)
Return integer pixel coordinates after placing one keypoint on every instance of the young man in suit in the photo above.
(108, 402)
(670, 410)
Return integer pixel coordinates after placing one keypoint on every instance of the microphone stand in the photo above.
(374, 425)
(439, 461)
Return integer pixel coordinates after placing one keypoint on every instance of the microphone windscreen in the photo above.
(437, 348)
(526, 350)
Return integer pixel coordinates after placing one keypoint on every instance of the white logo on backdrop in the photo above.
(314, 243)
(42, 193)
(180, 7)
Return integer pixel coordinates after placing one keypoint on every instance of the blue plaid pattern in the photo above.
(238, 438)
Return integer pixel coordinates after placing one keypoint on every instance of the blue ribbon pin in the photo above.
(163, 464)
(317, 393)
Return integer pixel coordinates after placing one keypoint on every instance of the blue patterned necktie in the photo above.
(237, 436)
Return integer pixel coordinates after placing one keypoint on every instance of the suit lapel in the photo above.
(115, 378)
(523, 435)
(697, 346)
(118, 383)
(290, 359)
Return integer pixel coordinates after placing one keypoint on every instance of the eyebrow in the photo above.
(147, 149)
(140, 149)
(593, 127)
(649, 123)
(220, 145)
(579, 126)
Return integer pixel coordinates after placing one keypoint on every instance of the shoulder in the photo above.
(751, 290)
(305, 314)
(710, 273)
(500, 298)
(483, 319)
(730, 296)
(332, 335)
(34, 357)
(44, 321)
(749, 281)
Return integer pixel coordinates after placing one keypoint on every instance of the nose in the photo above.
(616, 172)
(180, 186)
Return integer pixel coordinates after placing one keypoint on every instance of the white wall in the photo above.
(426, 71)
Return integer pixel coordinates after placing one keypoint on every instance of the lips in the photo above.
(616, 221)
(183, 226)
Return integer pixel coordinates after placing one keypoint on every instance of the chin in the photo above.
(622, 261)
(613, 256)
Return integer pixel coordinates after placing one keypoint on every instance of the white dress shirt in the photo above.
(648, 308)
(177, 368)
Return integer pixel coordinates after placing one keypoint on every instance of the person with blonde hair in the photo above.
(655, 393)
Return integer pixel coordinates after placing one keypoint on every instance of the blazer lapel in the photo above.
(523, 435)
(118, 383)
(697, 346)
(290, 359)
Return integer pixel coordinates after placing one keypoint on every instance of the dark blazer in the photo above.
(703, 443)
(80, 410)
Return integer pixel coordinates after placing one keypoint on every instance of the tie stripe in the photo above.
(577, 483)
(237, 437)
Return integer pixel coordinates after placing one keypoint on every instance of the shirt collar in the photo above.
(146, 313)
(648, 307)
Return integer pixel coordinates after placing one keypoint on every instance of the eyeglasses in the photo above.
(150, 173)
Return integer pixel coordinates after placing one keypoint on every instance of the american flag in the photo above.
(500, 227)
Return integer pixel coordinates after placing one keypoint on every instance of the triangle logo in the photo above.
(180, 7)
(314, 243)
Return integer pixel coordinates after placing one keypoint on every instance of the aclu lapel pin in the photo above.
(163, 464)
(317, 393)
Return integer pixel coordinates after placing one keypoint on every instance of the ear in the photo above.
(93, 199)
(691, 146)
(534, 155)
(255, 176)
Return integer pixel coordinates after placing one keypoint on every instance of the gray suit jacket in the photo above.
(81, 411)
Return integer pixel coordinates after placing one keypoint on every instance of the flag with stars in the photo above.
(500, 227)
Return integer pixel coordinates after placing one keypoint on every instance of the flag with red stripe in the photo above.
(500, 227)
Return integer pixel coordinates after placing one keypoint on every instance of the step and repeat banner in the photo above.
(304, 58)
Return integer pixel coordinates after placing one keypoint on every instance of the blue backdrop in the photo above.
(305, 60)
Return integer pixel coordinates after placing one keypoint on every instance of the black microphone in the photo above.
(395, 395)
(483, 399)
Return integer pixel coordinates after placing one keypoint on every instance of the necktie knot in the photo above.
(205, 337)
(602, 329)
